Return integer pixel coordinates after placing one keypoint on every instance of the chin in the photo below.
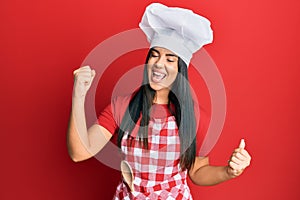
(158, 87)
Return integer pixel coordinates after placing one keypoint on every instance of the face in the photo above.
(162, 69)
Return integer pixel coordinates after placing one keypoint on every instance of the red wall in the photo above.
(256, 49)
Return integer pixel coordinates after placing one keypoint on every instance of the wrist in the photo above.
(78, 101)
(78, 95)
(229, 172)
(233, 173)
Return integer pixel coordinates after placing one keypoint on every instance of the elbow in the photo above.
(78, 154)
(199, 176)
(75, 157)
(196, 180)
(192, 178)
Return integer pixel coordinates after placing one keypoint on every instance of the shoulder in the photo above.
(119, 105)
(110, 118)
(120, 102)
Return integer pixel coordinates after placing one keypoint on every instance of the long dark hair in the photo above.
(182, 108)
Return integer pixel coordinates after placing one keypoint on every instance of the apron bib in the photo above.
(156, 170)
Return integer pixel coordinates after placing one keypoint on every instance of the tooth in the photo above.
(158, 74)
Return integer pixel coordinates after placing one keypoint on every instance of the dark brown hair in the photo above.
(182, 108)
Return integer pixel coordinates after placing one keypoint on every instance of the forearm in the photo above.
(210, 175)
(77, 137)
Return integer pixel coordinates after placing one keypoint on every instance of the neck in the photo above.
(161, 97)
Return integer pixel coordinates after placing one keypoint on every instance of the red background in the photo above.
(41, 42)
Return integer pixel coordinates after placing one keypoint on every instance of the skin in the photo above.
(83, 143)
(164, 62)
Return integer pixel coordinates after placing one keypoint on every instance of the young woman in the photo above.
(156, 126)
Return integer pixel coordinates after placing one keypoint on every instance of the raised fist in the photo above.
(83, 78)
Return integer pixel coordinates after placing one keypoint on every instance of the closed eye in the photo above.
(170, 60)
(154, 54)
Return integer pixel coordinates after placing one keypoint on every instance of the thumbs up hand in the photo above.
(239, 160)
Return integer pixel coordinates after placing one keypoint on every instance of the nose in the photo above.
(159, 65)
(160, 62)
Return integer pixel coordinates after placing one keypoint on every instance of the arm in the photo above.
(202, 173)
(83, 143)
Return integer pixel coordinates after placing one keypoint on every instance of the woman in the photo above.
(156, 126)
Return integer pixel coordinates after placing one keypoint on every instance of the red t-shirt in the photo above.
(111, 117)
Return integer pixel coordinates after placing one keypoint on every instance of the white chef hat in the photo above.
(177, 29)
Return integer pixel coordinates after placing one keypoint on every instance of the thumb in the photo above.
(93, 74)
(242, 144)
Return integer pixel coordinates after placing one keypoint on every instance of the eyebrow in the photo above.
(168, 54)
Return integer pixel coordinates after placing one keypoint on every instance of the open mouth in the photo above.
(157, 76)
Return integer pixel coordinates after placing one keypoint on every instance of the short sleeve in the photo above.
(107, 120)
(110, 118)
